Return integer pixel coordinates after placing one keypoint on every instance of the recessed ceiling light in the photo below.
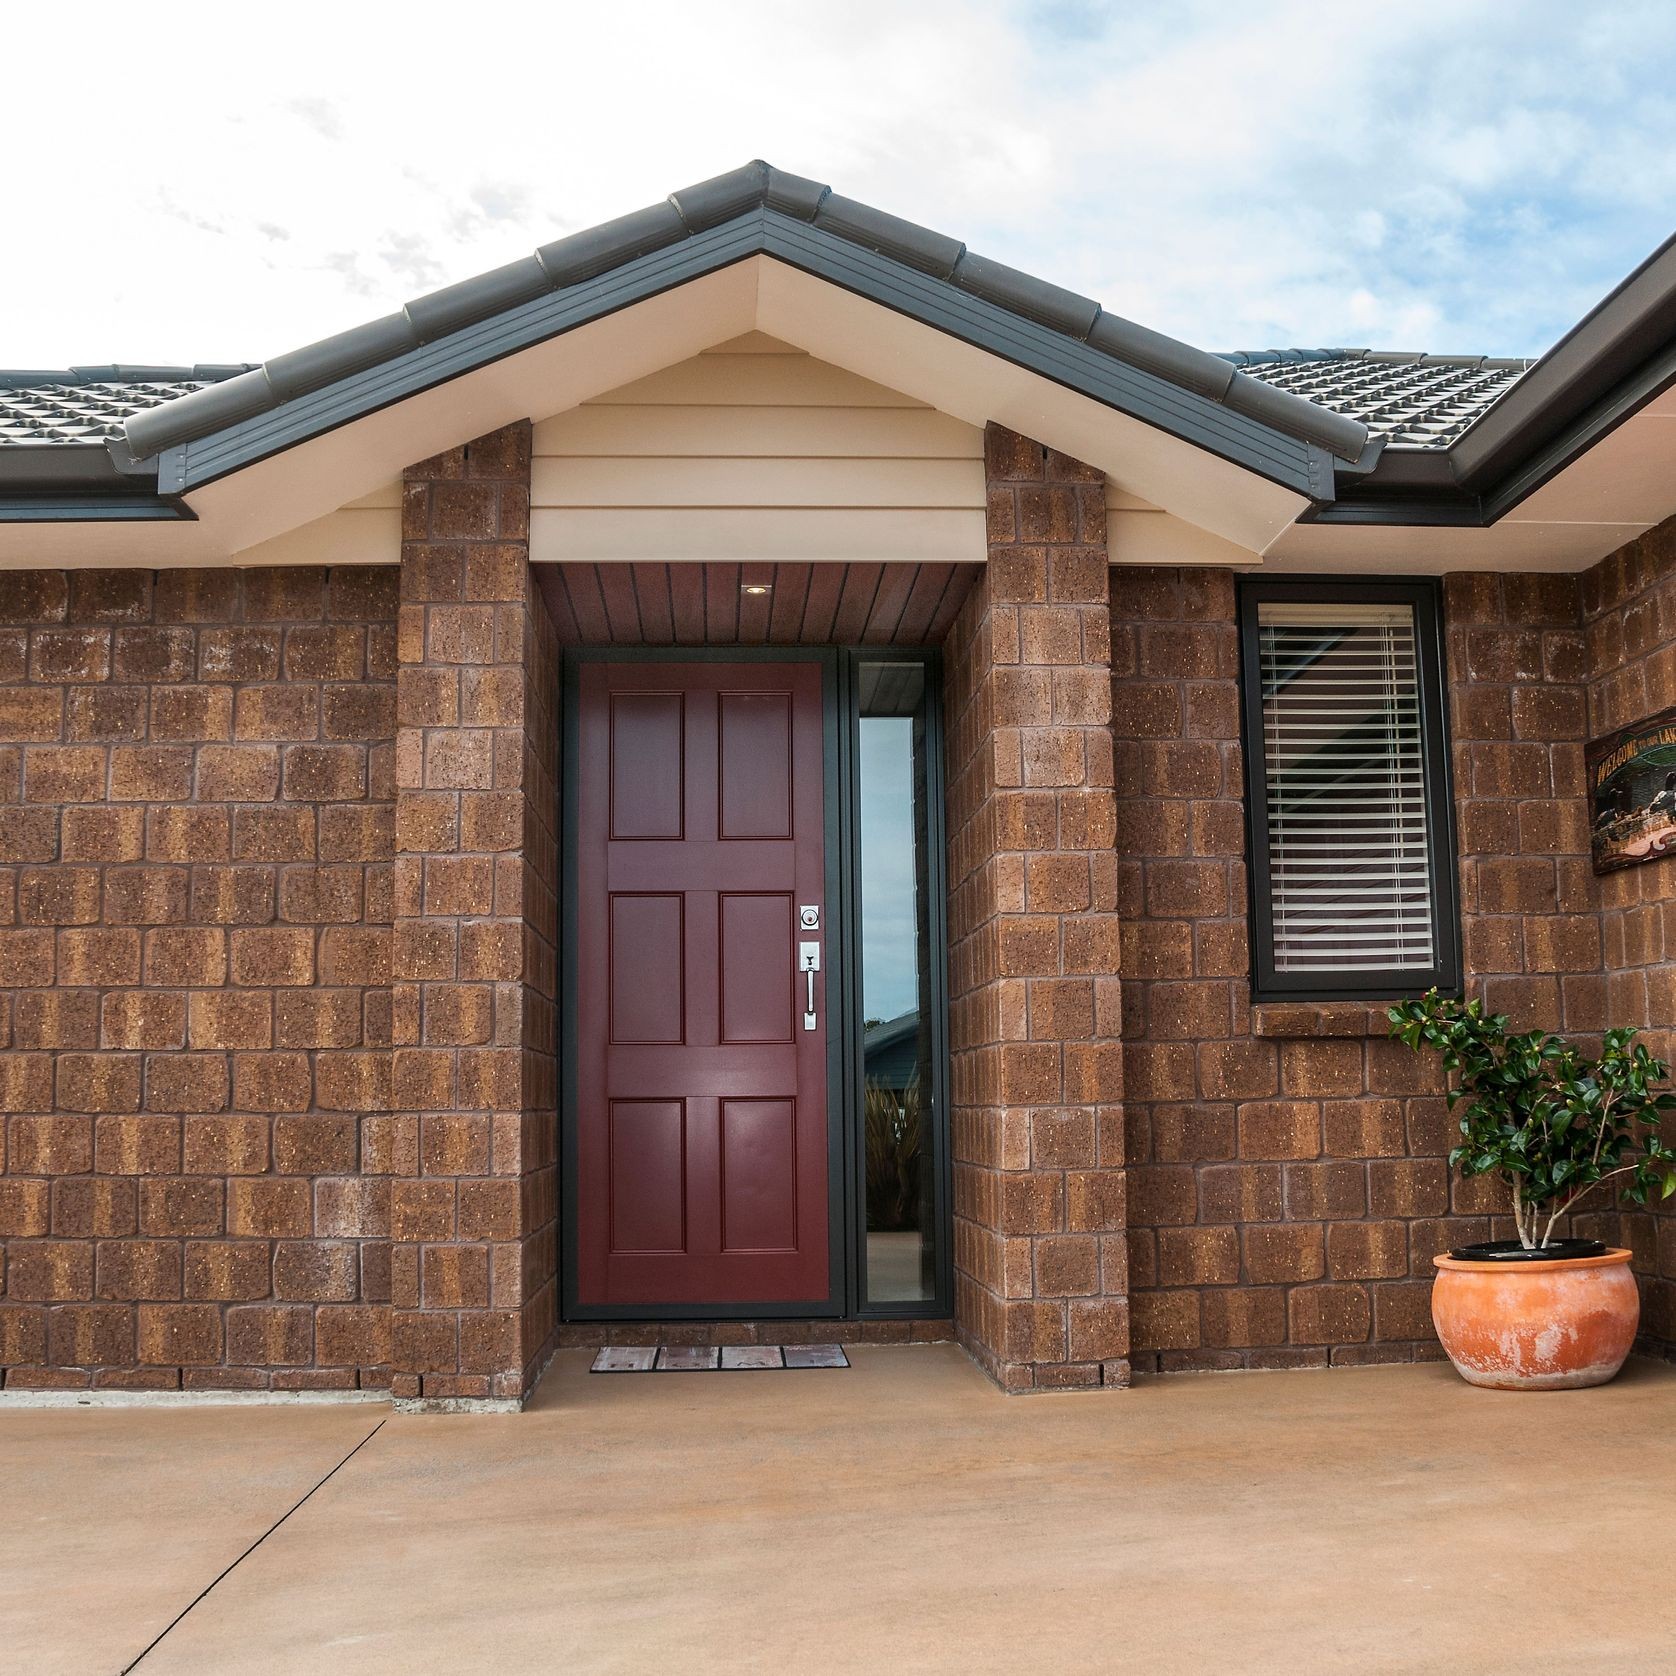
(755, 588)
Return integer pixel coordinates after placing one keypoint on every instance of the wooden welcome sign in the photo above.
(1632, 793)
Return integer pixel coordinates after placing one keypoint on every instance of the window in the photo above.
(1347, 792)
(897, 996)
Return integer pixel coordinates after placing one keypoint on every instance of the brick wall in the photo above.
(195, 890)
(472, 1196)
(1040, 1285)
(1288, 1183)
(1629, 619)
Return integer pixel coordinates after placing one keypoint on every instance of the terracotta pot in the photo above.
(1538, 1326)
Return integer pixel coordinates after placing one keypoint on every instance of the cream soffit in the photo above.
(1621, 487)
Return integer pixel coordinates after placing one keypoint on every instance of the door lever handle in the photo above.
(809, 963)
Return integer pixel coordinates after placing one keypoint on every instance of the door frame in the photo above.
(837, 949)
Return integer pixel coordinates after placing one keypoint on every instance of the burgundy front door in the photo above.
(701, 1089)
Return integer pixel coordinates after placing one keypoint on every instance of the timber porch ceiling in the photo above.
(706, 604)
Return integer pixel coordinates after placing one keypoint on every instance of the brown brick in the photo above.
(1367, 1250)
(279, 834)
(1330, 1314)
(151, 773)
(238, 773)
(70, 654)
(1284, 1253)
(90, 1207)
(99, 1082)
(352, 1336)
(25, 1208)
(237, 895)
(1279, 1129)
(272, 1082)
(132, 1271)
(181, 1206)
(50, 1144)
(226, 1270)
(288, 712)
(186, 956)
(272, 1207)
(58, 895)
(49, 1271)
(230, 1020)
(179, 1335)
(226, 1145)
(1198, 1256)
(317, 1271)
(100, 834)
(326, 652)
(1165, 1320)
(325, 773)
(315, 1145)
(273, 956)
(64, 774)
(131, 1143)
(273, 1335)
(92, 1335)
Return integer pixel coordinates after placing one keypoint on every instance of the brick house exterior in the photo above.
(283, 857)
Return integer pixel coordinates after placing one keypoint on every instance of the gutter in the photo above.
(86, 482)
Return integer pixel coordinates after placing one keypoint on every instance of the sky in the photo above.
(214, 183)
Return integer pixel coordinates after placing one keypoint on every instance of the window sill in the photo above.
(1314, 1020)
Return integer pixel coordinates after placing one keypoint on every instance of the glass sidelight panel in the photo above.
(898, 1089)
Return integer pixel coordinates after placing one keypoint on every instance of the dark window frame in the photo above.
(1393, 983)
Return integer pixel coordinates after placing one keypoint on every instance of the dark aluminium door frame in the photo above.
(846, 1178)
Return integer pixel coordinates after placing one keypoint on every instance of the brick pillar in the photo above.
(1040, 1266)
(471, 1205)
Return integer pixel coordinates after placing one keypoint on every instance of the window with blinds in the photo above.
(1345, 761)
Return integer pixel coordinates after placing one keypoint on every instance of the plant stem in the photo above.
(1623, 1169)
(1525, 1239)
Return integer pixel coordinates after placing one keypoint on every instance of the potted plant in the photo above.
(1538, 1312)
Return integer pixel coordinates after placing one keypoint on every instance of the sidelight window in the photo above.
(897, 1000)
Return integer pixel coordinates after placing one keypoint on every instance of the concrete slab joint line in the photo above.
(228, 1570)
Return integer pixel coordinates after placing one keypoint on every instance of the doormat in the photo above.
(707, 1358)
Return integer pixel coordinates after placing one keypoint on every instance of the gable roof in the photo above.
(1288, 436)
(764, 205)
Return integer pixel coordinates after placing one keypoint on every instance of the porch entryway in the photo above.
(754, 1085)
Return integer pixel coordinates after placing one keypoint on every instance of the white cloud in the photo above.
(244, 182)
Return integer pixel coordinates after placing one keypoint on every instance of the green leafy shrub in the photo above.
(1550, 1121)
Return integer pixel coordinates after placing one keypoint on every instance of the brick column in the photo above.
(1040, 1266)
(471, 1205)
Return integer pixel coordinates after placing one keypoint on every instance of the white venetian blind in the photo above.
(1344, 769)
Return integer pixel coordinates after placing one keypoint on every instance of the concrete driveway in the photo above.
(900, 1516)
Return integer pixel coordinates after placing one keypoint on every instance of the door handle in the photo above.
(809, 963)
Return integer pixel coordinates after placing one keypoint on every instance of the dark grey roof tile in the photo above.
(301, 370)
(470, 300)
(890, 235)
(593, 251)
(711, 202)
(1024, 294)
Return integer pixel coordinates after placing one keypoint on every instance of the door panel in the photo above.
(701, 1100)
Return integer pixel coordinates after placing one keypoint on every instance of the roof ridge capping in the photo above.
(755, 188)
